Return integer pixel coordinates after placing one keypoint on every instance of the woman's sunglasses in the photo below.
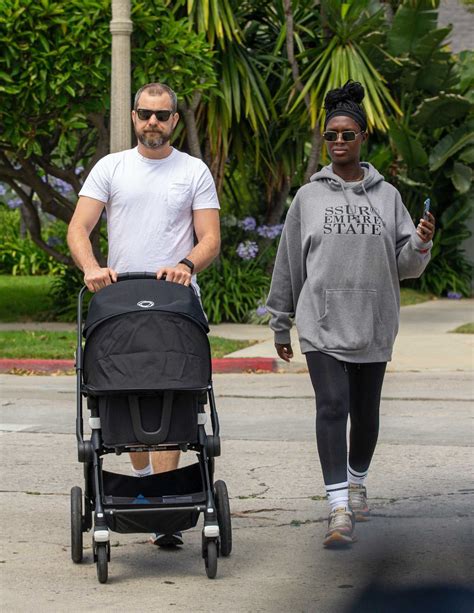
(145, 114)
(347, 135)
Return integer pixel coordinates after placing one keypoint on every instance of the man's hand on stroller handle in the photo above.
(178, 274)
(97, 278)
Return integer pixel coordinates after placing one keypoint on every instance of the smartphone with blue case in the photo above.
(426, 209)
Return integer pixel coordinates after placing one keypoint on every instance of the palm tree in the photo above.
(350, 31)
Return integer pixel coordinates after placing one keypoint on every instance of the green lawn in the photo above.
(413, 296)
(24, 298)
(465, 329)
(61, 345)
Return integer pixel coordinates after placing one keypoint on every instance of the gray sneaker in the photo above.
(340, 529)
(358, 502)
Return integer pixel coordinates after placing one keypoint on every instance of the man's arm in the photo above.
(207, 229)
(86, 215)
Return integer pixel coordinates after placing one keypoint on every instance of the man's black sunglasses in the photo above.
(347, 135)
(145, 114)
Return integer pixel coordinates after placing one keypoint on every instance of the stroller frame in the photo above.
(94, 511)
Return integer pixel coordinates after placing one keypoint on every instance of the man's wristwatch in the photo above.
(188, 263)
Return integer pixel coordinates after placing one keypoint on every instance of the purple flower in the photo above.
(79, 170)
(61, 186)
(3, 189)
(271, 231)
(261, 311)
(247, 250)
(14, 203)
(54, 241)
(248, 224)
(454, 295)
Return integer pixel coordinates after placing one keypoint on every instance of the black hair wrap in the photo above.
(346, 101)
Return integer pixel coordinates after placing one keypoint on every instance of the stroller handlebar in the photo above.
(124, 276)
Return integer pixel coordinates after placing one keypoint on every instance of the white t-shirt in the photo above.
(150, 206)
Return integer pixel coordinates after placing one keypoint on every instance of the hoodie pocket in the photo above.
(350, 319)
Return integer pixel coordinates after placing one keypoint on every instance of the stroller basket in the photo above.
(132, 505)
(171, 487)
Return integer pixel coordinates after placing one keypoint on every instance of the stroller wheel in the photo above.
(210, 558)
(223, 517)
(76, 525)
(102, 562)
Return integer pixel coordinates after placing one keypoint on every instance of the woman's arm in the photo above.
(287, 278)
(413, 245)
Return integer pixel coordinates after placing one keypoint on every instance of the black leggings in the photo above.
(344, 388)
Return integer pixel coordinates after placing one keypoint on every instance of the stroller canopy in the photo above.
(143, 295)
(144, 335)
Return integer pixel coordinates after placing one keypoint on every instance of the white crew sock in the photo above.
(338, 495)
(142, 472)
(355, 477)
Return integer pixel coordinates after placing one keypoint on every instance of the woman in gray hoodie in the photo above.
(347, 242)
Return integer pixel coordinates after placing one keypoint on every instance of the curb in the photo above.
(219, 365)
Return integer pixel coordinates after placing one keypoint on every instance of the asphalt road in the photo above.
(420, 487)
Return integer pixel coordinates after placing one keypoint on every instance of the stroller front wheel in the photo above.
(210, 559)
(76, 525)
(102, 562)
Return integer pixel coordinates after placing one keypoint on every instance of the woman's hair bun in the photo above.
(352, 91)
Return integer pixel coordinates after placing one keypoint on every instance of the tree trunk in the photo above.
(278, 202)
(313, 160)
(192, 135)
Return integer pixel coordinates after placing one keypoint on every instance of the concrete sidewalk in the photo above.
(424, 341)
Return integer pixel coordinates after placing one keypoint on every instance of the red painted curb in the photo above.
(229, 365)
(219, 365)
(36, 365)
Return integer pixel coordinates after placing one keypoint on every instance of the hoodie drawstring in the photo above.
(371, 205)
(367, 198)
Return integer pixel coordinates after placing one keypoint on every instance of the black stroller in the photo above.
(146, 373)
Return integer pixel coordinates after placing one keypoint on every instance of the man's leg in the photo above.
(140, 461)
(163, 461)
(158, 461)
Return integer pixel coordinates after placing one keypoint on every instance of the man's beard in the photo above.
(153, 139)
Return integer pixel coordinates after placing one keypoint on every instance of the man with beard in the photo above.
(157, 199)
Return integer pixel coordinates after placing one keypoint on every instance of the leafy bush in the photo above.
(64, 291)
(234, 288)
(20, 255)
(231, 290)
(448, 269)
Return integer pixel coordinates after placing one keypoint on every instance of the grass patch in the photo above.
(24, 298)
(53, 345)
(465, 329)
(410, 296)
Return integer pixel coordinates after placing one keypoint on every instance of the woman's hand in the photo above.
(284, 351)
(426, 228)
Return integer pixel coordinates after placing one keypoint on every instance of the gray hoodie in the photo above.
(344, 249)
